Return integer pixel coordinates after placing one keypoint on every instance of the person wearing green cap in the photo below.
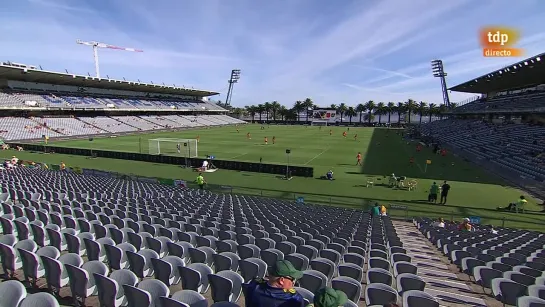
(329, 297)
(277, 290)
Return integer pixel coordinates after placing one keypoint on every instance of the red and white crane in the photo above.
(97, 45)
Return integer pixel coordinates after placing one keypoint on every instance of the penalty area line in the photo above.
(316, 156)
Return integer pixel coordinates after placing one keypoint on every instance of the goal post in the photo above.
(173, 147)
(319, 123)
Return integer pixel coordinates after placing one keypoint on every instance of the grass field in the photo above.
(474, 192)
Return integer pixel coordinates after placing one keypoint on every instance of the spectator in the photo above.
(519, 204)
(445, 188)
(434, 190)
(382, 210)
(465, 225)
(375, 210)
(277, 290)
(440, 223)
(329, 297)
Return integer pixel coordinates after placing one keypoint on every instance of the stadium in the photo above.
(103, 195)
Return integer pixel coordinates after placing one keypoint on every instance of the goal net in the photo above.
(174, 147)
(319, 123)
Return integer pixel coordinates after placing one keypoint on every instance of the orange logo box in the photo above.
(500, 42)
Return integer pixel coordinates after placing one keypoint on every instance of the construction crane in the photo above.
(97, 45)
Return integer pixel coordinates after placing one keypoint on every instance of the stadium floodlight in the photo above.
(97, 45)
(439, 72)
(235, 76)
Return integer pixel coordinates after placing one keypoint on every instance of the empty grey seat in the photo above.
(156, 289)
(484, 276)
(379, 276)
(226, 286)
(326, 266)
(530, 301)
(195, 277)
(351, 270)
(379, 294)
(110, 289)
(12, 293)
(226, 261)
(408, 282)
(251, 268)
(507, 291)
(537, 291)
(415, 298)
(186, 297)
(41, 299)
(306, 294)
(313, 280)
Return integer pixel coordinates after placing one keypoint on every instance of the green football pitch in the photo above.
(474, 192)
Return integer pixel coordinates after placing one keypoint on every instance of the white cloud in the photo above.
(287, 50)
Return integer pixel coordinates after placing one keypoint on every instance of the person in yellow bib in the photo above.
(200, 181)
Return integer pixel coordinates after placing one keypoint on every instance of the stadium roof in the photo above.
(526, 73)
(42, 76)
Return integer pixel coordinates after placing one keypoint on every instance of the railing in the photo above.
(403, 211)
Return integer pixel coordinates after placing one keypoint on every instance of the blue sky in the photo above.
(331, 51)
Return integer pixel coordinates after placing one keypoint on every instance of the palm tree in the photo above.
(370, 107)
(298, 107)
(275, 106)
(351, 112)
(341, 109)
(360, 108)
(400, 109)
(432, 110)
(390, 108)
(333, 106)
(260, 110)
(380, 110)
(251, 110)
(292, 114)
(267, 108)
(442, 110)
(308, 104)
(422, 109)
(410, 105)
(453, 105)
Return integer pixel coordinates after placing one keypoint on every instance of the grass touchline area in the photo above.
(474, 191)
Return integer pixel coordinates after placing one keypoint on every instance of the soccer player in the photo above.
(274, 140)
(238, 131)
(418, 148)
(358, 157)
(248, 136)
(344, 134)
(411, 161)
(179, 147)
(198, 138)
(330, 131)
(266, 141)
(355, 137)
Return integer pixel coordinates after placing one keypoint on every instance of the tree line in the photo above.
(363, 112)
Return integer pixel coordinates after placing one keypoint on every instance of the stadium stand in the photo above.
(504, 130)
(86, 106)
(509, 263)
(103, 230)
(518, 147)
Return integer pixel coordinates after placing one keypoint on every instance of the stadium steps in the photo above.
(89, 124)
(126, 123)
(442, 278)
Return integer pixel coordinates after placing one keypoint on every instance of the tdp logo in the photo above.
(500, 42)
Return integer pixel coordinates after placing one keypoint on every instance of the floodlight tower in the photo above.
(439, 72)
(97, 45)
(235, 76)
